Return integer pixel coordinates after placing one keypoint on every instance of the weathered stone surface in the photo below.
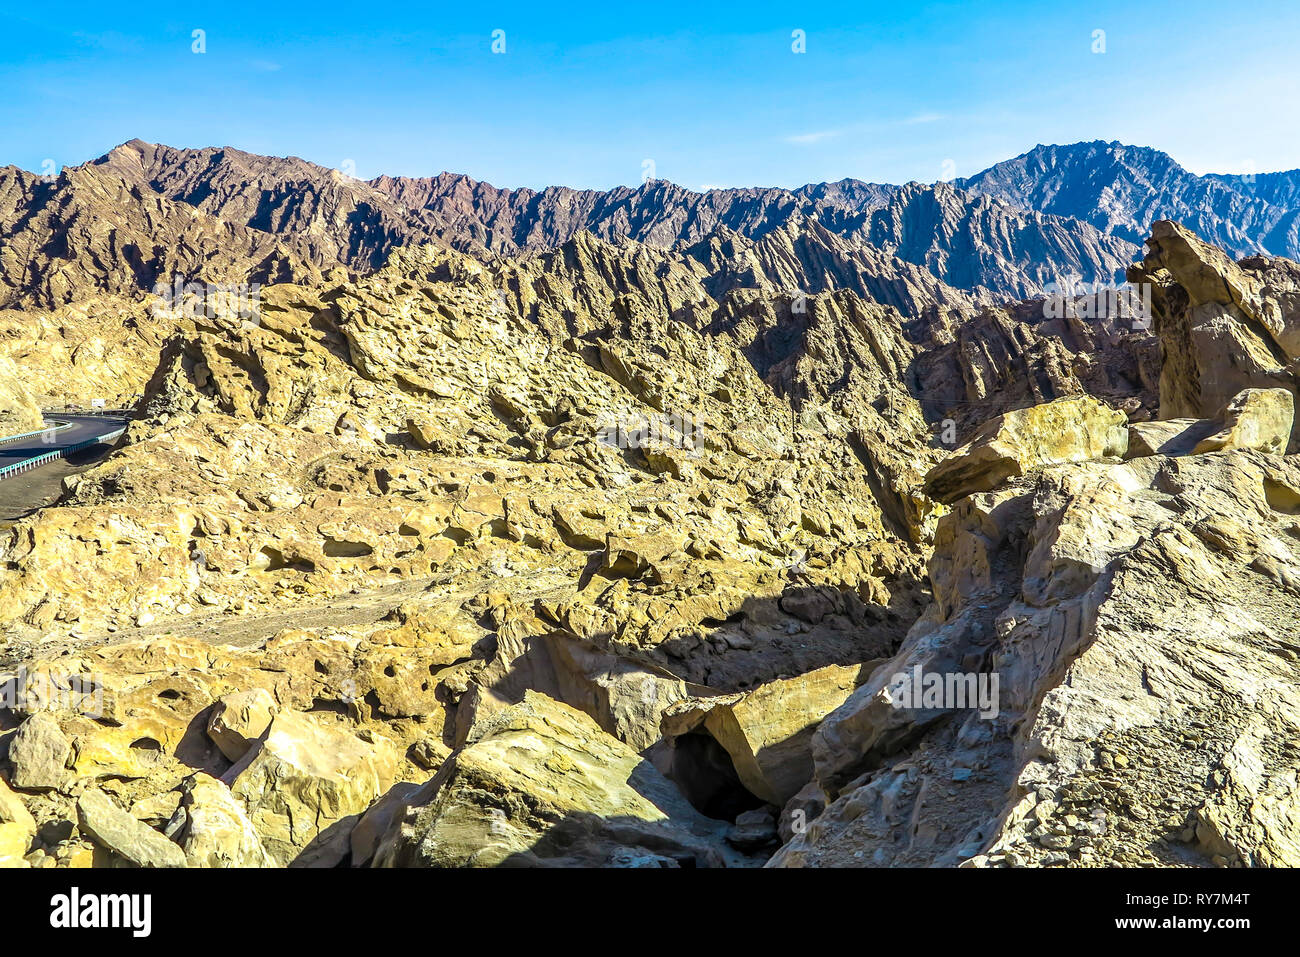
(370, 830)
(39, 753)
(1168, 436)
(157, 810)
(249, 500)
(1254, 419)
(213, 828)
(1066, 430)
(19, 412)
(117, 831)
(349, 544)
(17, 828)
(15, 842)
(14, 811)
(1224, 327)
(239, 719)
(1123, 607)
(543, 786)
(305, 785)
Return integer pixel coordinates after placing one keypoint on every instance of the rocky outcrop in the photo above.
(1223, 326)
(626, 554)
(1067, 430)
(973, 367)
(620, 513)
(213, 827)
(103, 348)
(1122, 606)
(122, 835)
(1255, 419)
(19, 412)
(536, 449)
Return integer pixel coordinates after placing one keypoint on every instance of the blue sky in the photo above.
(713, 94)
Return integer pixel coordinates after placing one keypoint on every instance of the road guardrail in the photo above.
(27, 435)
(27, 465)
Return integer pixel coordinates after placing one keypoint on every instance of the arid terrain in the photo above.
(626, 529)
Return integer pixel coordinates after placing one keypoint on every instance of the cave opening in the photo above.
(704, 773)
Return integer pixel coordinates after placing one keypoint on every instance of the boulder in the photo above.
(214, 828)
(542, 786)
(17, 828)
(239, 719)
(1254, 419)
(305, 785)
(1013, 444)
(1167, 436)
(15, 842)
(39, 753)
(766, 732)
(753, 830)
(117, 831)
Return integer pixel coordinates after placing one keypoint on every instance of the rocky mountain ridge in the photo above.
(1055, 217)
(1123, 190)
(280, 219)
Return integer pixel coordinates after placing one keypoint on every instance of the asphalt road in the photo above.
(82, 429)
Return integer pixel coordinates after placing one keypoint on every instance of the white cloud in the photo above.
(805, 138)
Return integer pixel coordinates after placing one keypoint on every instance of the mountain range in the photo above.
(144, 214)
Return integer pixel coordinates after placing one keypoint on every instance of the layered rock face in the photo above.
(624, 555)
(88, 231)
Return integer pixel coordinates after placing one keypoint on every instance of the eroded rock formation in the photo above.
(613, 554)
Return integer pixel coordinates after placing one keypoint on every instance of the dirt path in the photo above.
(357, 610)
